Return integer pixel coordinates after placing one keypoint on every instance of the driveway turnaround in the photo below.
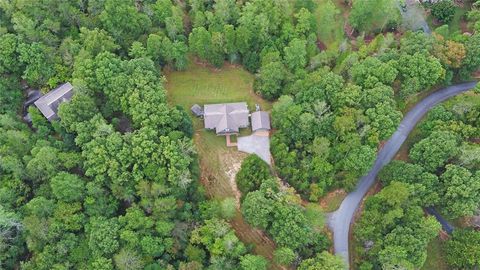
(258, 143)
(340, 220)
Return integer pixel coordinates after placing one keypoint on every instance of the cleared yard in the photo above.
(204, 85)
(219, 164)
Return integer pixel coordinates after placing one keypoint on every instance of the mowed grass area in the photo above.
(330, 22)
(204, 85)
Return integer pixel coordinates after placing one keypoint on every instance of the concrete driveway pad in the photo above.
(255, 144)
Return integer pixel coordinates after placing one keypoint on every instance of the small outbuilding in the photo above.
(260, 121)
(49, 103)
(197, 110)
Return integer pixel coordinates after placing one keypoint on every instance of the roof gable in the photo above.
(226, 118)
(260, 120)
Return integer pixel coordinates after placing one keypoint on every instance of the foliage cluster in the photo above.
(294, 228)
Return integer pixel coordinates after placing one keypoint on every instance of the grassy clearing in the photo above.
(330, 21)
(219, 164)
(435, 256)
(203, 85)
(469, 98)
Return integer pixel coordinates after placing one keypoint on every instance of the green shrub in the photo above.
(443, 11)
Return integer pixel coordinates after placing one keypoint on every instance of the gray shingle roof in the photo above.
(260, 120)
(48, 104)
(226, 118)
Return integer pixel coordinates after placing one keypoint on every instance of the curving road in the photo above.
(340, 220)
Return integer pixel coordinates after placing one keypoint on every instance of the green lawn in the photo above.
(435, 257)
(202, 85)
(329, 23)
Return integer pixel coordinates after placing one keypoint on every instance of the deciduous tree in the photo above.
(460, 191)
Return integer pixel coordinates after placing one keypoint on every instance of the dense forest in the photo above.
(332, 120)
(444, 172)
(115, 183)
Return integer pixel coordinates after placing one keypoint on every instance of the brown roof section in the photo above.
(226, 118)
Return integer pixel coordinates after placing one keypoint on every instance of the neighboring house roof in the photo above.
(260, 120)
(197, 110)
(226, 118)
(48, 104)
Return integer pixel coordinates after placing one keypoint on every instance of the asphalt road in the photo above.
(339, 221)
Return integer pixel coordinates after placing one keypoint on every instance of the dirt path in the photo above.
(232, 166)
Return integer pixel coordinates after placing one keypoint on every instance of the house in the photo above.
(48, 104)
(197, 110)
(260, 121)
(226, 118)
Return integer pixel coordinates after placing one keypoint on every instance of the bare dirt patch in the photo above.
(232, 163)
(332, 200)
